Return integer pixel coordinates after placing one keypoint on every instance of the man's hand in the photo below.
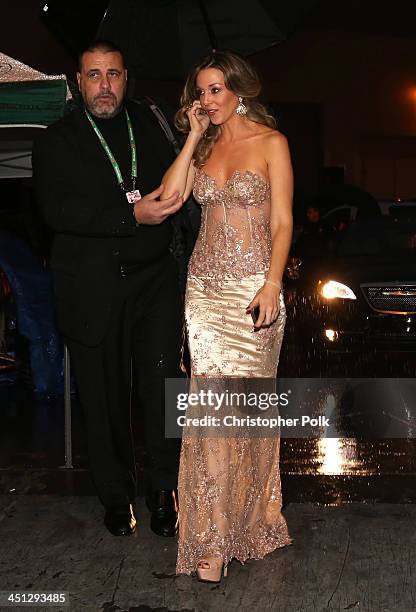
(150, 211)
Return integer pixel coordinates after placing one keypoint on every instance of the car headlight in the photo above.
(333, 289)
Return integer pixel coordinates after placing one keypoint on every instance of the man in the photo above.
(97, 174)
(311, 240)
(313, 217)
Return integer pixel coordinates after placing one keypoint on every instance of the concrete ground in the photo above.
(350, 557)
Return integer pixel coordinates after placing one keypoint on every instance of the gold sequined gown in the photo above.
(229, 487)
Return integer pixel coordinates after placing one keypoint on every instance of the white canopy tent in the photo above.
(13, 71)
(16, 138)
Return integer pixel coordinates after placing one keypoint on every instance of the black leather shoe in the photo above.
(164, 508)
(120, 520)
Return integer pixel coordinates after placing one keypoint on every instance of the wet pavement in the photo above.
(350, 557)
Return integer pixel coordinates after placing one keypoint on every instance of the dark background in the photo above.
(344, 85)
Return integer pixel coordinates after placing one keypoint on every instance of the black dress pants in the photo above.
(142, 344)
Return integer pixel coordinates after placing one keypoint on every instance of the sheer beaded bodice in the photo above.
(235, 238)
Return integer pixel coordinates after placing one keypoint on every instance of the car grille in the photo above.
(391, 298)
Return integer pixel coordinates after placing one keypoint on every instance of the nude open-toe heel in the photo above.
(212, 573)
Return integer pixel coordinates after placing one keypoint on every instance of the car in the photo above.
(357, 292)
(397, 207)
(348, 212)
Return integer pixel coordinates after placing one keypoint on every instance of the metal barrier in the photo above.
(68, 414)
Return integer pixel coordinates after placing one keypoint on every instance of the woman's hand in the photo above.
(268, 300)
(198, 119)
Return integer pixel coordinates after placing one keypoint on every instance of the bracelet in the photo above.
(278, 285)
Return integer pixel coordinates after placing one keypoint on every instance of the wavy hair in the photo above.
(240, 78)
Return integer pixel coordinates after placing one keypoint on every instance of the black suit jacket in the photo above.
(81, 201)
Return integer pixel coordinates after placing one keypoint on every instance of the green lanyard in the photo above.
(111, 157)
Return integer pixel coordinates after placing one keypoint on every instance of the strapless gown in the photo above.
(229, 487)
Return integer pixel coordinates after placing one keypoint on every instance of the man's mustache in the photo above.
(105, 95)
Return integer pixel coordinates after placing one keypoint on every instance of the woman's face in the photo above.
(218, 101)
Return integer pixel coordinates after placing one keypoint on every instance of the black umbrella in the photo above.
(163, 39)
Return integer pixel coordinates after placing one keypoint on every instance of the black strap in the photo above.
(185, 222)
(163, 122)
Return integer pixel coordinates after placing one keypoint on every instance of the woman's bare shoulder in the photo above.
(269, 137)
(274, 138)
(275, 144)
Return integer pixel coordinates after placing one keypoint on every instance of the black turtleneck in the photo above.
(153, 240)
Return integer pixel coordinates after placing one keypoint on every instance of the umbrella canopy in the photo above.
(163, 39)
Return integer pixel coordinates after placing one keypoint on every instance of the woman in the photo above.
(239, 169)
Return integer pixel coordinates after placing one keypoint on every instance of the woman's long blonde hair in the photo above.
(240, 78)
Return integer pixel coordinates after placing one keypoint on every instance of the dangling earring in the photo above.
(241, 108)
